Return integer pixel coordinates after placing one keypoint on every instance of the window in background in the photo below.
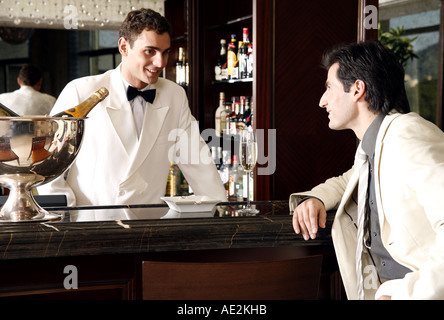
(421, 20)
(98, 51)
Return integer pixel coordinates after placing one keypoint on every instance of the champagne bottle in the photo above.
(6, 112)
(82, 109)
(173, 181)
(219, 121)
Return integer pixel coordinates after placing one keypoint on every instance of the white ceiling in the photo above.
(71, 14)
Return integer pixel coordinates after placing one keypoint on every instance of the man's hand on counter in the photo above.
(307, 216)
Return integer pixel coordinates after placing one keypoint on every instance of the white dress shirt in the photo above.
(138, 105)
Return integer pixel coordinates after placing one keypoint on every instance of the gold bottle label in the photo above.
(86, 106)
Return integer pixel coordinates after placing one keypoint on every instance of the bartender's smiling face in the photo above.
(143, 62)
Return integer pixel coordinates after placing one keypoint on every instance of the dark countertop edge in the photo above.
(69, 239)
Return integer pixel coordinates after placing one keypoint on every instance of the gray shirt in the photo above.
(386, 266)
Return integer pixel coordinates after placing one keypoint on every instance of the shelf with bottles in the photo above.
(234, 115)
(233, 177)
(231, 117)
(235, 61)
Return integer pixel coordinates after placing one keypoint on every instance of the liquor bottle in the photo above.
(247, 111)
(187, 73)
(240, 184)
(235, 118)
(225, 171)
(82, 109)
(225, 119)
(184, 187)
(250, 61)
(219, 156)
(245, 36)
(221, 65)
(240, 123)
(219, 124)
(173, 181)
(244, 55)
(231, 56)
(243, 61)
(235, 69)
(231, 118)
(6, 112)
(232, 196)
(215, 158)
(180, 68)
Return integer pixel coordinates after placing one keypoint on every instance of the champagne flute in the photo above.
(248, 157)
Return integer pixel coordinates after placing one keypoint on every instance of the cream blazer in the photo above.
(114, 166)
(409, 168)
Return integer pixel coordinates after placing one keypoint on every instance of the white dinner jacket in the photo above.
(409, 168)
(114, 166)
(28, 101)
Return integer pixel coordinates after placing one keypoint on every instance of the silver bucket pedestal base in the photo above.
(21, 205)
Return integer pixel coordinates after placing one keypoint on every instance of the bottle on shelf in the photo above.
(248, 54)
(240, 123)
(231, 117)
(243, 55)
(225, 119)
(225, 171)
(82, 109)
(220, 117)
(234, 118)
(243, 60)
(233, 180)
(232, 57)
(240, 184)
(245, 36)
(215, 157)
(181, 68)
(247, 112)
(250, 58)
(187, 74)
(220, 69)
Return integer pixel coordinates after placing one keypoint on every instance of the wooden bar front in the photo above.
(106, 247)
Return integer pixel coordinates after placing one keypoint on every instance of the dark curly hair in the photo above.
(143, 19)
(377, 67)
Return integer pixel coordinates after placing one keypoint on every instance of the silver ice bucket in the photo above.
(34, 150)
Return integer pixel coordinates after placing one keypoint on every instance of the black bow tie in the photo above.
(148, 95)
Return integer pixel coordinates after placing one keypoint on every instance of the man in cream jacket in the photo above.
(128, 142)
(403, 240)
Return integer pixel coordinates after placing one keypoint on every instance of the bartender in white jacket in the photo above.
(129, 142)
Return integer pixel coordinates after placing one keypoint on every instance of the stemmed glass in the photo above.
(248, 157)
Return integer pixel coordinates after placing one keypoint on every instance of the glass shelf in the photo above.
(245, 80)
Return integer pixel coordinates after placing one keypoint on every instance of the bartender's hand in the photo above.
(306, 217)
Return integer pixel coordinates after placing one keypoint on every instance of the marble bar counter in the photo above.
(150, 228)
(118, 238)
